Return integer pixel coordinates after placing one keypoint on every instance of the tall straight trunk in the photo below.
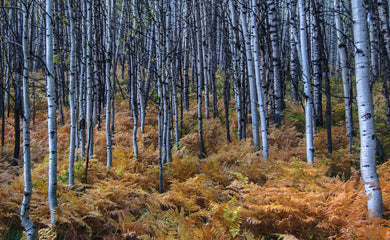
(72, 92)
(307, 84)
(82, 83)
(89, 72)
(366, 111)
(203, 48)
(251, 76)
(328, 111)
(273, 22)
(186, 56)
(110, 8)
(52, 116)
(24, 212)
(238, 89)
(316, 63)
(347, 82)
(294, 62)
(228, 74)
(260, 94)
(200, 76)
(159, 72)
(213, 56)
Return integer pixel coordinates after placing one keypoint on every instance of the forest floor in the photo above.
(231, 194)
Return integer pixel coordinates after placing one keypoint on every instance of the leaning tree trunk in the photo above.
(24, 212)
(307, 84)
(366, 111)
(52, 116)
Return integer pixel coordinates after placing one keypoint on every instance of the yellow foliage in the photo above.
(231, 194)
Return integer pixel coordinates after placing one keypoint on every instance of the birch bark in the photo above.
(25, 209)
(366, 111)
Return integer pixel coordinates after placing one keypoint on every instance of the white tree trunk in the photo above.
(89, 72)
(260, 94)
(347, 84)
(109, 40)
(24, 212)
(72, 93)
(366, 111)
(251, 75)
(307, 85)
(52, 116)
(82, 84)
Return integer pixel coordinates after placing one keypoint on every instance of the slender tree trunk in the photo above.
(238, 88)
(52, 116)
(307, 84)
(273, 23)
(110, 8)
(295, 49)
(347, 83)
(82, 87)
(72, 92)
(366, 111)
(252, 80)
(200, 76)
(316, 63)
(24, 212)
(257, 65)
(89, 73)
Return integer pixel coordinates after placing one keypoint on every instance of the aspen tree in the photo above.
(110, 6)
(307, 84)
(52, 116)
(24, 212)
(366, 111)
(347, 83)
(260, 94)
(274, 35)
(72, 92)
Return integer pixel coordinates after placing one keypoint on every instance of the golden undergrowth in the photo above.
(231, 194)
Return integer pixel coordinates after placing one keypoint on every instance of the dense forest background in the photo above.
(194, 119)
